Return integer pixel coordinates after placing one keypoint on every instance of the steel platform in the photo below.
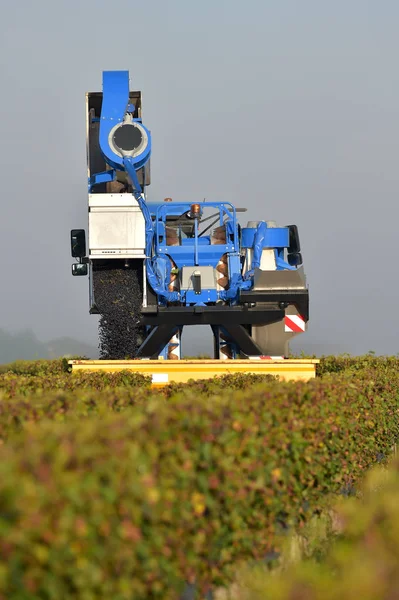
(164, 372)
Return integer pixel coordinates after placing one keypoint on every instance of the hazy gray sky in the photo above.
(290, 108)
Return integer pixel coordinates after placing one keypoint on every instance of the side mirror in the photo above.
(78, 243)
(295, 259)
(79, 269)
(294, 245)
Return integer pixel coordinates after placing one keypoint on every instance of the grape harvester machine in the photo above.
(157, 267)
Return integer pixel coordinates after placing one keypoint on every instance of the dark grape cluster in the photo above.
(118, 297)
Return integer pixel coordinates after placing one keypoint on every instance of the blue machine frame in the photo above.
(194, 251)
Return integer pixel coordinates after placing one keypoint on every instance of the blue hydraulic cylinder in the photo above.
(274, 237)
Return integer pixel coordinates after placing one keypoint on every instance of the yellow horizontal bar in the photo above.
(181, 371)
(291, 361)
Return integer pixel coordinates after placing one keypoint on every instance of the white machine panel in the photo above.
(116, 226)
(208, 277)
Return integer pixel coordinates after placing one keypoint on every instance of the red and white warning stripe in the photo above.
(294, 324)
(262, 357)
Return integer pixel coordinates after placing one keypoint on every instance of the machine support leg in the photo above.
(172, 350)
(216, 341)
(224, 346)
(242, 338)
(156, 341)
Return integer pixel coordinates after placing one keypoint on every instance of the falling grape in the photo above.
(118, 296)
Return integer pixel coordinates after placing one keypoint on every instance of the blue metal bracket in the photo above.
(103, 177)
